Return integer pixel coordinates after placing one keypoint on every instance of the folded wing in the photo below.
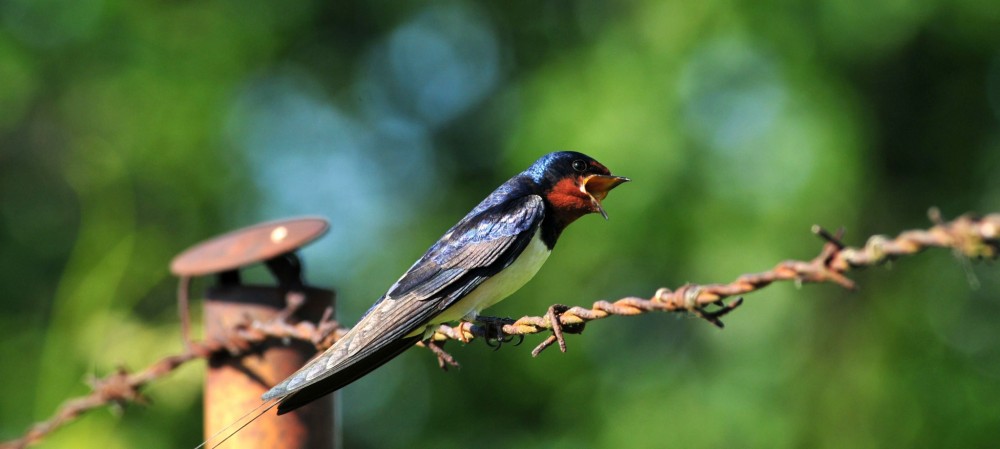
(482, 244)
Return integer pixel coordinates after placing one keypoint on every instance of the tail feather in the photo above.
(342, 378)
(256, 412)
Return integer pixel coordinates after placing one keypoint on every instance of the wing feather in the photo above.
(483, 243)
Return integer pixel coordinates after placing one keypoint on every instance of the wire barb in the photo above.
(444, 359)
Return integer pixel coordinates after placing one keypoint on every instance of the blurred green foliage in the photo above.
(130, 130)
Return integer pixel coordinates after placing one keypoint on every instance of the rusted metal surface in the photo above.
(247, 246)
(234, 384)
(237, 379)
(272, 243)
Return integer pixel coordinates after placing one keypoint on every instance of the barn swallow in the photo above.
(484, 258)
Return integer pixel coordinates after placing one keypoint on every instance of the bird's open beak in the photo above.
(598, 186)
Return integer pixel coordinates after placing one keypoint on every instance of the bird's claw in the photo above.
(493, 328)
(558, 329)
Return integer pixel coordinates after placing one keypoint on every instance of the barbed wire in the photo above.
(968, 236)
(122, 387)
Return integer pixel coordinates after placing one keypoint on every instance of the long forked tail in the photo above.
(257, 412)
(291, 400)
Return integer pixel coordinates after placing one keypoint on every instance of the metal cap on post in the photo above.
(233, 385)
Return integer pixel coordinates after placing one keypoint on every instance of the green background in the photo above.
(130, 130)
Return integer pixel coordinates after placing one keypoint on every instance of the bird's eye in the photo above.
(579, 165)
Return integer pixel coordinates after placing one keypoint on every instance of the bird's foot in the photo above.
(493, 328)
(444, 359)
(558, 329)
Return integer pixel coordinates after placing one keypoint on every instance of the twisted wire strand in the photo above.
(969, 235)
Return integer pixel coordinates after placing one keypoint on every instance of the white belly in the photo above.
(501, 285)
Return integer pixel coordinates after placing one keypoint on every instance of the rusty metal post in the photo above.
(233, 385)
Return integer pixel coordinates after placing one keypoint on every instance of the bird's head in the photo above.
(574, 183)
